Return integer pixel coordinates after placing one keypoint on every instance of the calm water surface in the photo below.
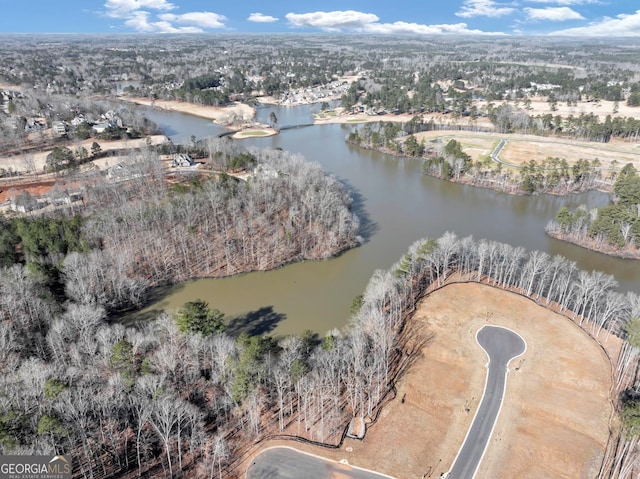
(399, 206)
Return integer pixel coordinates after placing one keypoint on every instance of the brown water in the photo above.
(399, 206)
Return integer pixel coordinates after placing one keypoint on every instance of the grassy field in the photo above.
(253, 133)
(522, 148)
(326, 114)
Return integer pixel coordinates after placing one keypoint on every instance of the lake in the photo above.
(398, 204)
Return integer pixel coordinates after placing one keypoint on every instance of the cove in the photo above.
(398, 205)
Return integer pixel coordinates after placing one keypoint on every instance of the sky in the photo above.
(427, 17)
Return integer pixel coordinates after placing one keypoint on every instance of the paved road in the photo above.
(495, 156)
(287, 463)
(502, 345)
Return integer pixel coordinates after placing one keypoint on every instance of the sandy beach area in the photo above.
(241, 111)
(338, 115)
(222, 115)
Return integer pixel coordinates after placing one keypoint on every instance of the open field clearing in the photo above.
(521, 148)
(555, 415)
(338, 115)
(28, 168)
(30, 163)
(476, 145)
(600, 108)
(517, 151)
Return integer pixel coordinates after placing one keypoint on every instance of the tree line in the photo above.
(613, 229)
(586, 126)
(590, 299)
(448, 161)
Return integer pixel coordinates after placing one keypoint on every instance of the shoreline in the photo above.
(609, 250)
(506, 188)
(339, 116)
(237, 117)
(228, 115)
(459, 126)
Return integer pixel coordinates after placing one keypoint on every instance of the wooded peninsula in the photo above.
(101, 211)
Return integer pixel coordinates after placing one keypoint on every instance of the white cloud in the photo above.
(360, 22)
(139, 21)
(483, 8)
(416, 28)
(555, 14)
(623, 25)
(126, 8)
(565, 2)
(332, 21)
(136, 15)
(261, 18)
(201, 19)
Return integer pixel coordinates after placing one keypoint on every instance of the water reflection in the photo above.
(261, 321)
(179, 127)
(399, 205)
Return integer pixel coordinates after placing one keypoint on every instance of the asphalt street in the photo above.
(286, 463)
(501, 345)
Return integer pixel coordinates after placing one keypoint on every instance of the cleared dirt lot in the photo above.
(30, 163)
(554, 420)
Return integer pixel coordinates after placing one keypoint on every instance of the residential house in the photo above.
(119, 171)
(59, 127)
(182, 159)
(35, 124)
(100, 127)
(78, 120)
(113, 119)
(265, 171)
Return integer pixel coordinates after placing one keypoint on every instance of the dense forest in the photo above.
(140, 233)
(614, 229)
(289, 210)
(74, 377)
(179, 393)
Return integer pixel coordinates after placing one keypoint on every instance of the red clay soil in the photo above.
(11, 190)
